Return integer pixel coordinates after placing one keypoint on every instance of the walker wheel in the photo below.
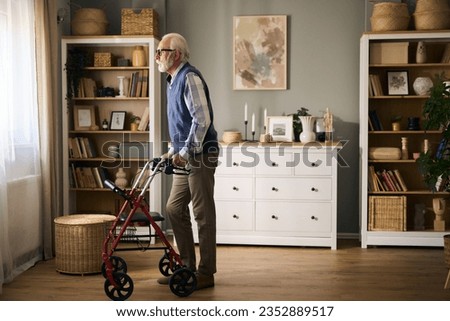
(124, 287)
(119, 265)
(164, 265)
(183, 282)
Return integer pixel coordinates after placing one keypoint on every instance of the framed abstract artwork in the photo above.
(260, 52)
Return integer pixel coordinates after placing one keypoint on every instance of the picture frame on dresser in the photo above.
(84, 117)
(280, 128)
(398, 82)
(117, 121)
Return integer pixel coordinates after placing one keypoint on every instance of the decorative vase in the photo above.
(422, 85)
(138, 59)
(121, 178)
(421, 53)
(121, 86)
(439, 210)
(307, 135)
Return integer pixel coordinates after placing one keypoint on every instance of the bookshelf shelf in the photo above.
(90, 158)
(377, 112)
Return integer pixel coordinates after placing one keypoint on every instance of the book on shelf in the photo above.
(81, 147)
(145, 118)
(87, 177)
(386, 180)
(375, 85)
(144, 83)
(376, 123)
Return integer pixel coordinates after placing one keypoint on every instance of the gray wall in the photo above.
(323, 70)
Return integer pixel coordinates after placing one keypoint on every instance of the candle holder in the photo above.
(245, 125)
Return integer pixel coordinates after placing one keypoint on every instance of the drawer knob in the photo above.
(236, 216)
(235, 164)
(274, 217)
(314, 189)
(314, 218)
(313, 165)
(274, 164)
(274, 189)
(235, 188)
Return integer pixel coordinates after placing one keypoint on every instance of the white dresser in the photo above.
(277, 194)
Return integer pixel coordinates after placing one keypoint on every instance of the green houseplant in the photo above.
(435, 166)
(297, 124)
(77, 60)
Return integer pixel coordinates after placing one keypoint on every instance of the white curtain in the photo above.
(20, 179)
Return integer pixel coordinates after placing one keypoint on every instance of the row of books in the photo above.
(87, 177)
(81, 147)
(386, 181)
(374, 121)
(138, 85)
(375, 88)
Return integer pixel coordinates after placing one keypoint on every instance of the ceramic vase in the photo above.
(422, 85)
(307, 135)
(121, 179)
(138, 59)
(121, 86)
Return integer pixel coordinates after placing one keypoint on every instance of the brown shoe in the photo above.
(204, 281)
(163, 280)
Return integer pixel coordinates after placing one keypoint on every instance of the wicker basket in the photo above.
(431, 5)
(89, 22)
(78, 242)
(102, 59)
(230, 137)
(143, 22)
(387, 213)
(432, 20)
(390, 9)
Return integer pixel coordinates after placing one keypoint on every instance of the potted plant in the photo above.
(435, 167)
(77, 60)
(134, 122)
(395, 122)
(297, 124)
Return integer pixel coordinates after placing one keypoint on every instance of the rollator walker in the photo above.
(135, 209)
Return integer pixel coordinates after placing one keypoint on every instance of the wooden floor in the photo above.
(259, 273)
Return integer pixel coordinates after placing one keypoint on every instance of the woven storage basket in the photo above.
(387, 213)
(431, 5)
(432, 20)
(89, 22)
(447, 249)
(229, 137)
(102, 59)
(78, 242)
(390, 9)
(389, 16)
(143, 22)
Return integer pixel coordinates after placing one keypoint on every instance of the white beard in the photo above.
(163, 66)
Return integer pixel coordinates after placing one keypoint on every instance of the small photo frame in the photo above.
(83, 117)
(398, 82)
(117, 121)
(280, 128)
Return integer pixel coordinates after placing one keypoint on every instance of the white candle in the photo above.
(253, 122)
(265, 117)
(245, 113)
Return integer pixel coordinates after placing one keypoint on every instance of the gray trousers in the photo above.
(198, 188)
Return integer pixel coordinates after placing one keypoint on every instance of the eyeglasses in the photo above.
(160, 51)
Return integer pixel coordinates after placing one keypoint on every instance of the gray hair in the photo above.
(178, 42)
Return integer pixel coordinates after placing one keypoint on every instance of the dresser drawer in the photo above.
(234, 216)
(293, 217)
(233, 188)
(272, 163)
(313, 164)
(236, 163)
(293, 188)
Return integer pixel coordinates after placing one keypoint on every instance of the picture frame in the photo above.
(117, 121)
(84, 117)
(280, 128)
(398, 83)
(260, 52)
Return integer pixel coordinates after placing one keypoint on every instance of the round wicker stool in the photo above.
(78, 242)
